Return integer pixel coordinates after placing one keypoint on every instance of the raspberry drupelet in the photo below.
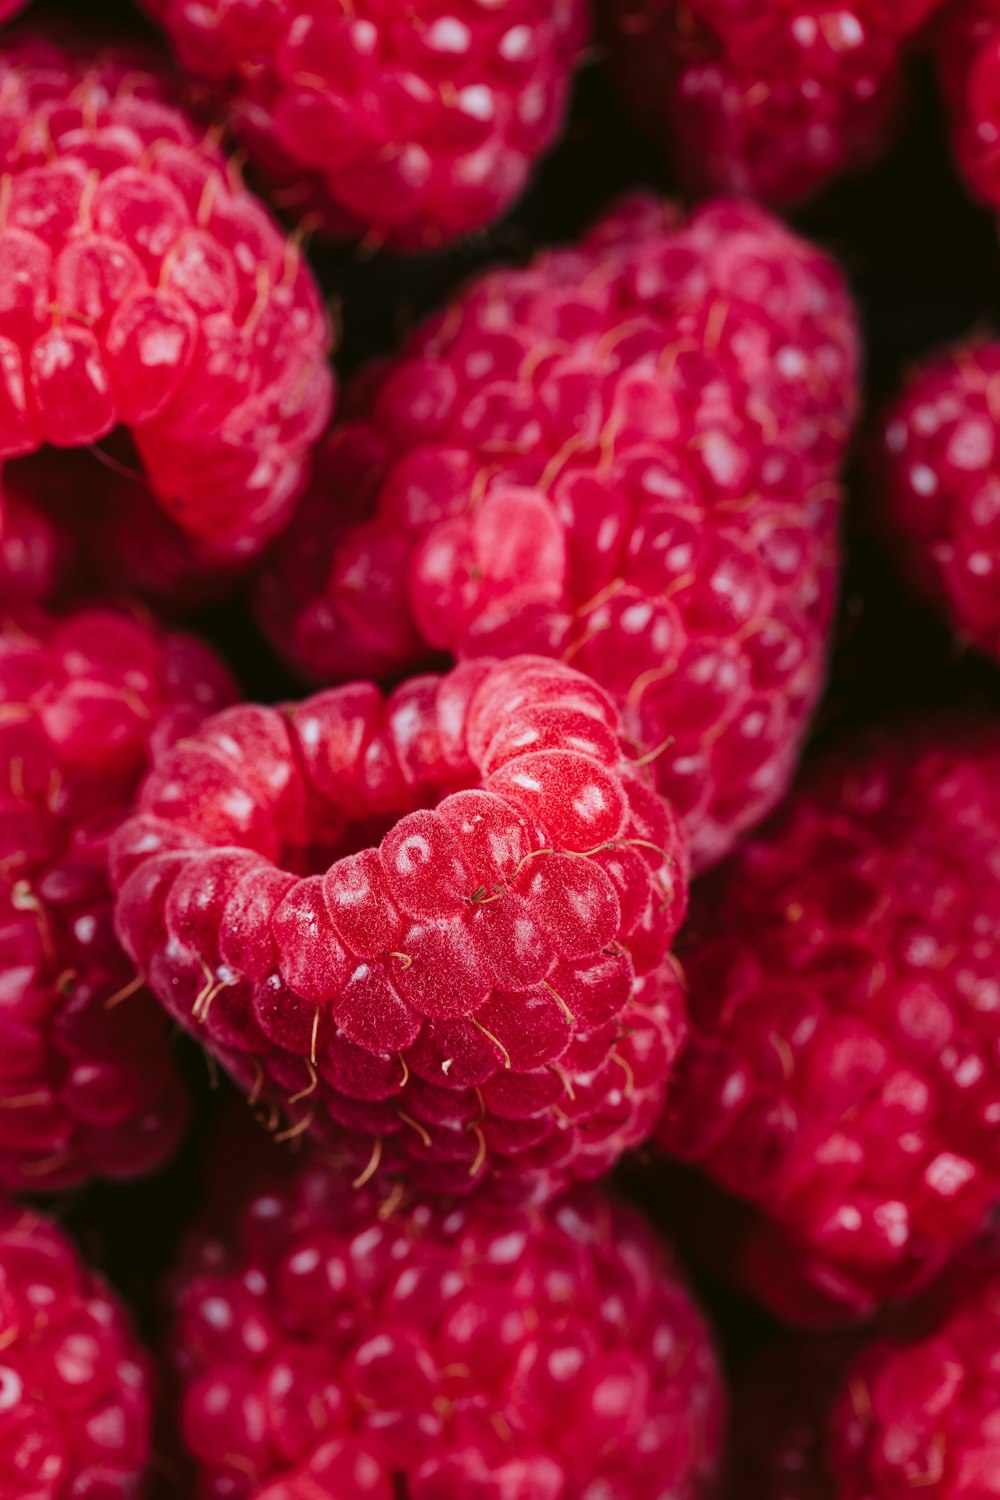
(75, 1387)
(936, 485)
(336, 1342)
(968, 54)
(842, 1075)
(144, 288)
(435, 927)
(87, 1086)
(768, 98)
(410, 123)
(624, 456)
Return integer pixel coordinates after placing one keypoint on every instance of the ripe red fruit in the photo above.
(87, 1087)
(936, 480)
(623, 456)
(75, 1388)
(435, 927)
(768, 98)
(337, 1343)
(143, 287)
(968, 55)
(843, 1074)
(412, 124)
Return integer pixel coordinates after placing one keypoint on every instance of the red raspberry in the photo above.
(843, 1072)
(968, 52)
(141, 285)
(87, 1087)
(624, 456)
(10, 8)
(936, 477)
(468, 997)
(338, 1344)
(411, 122)
(771, 98)
(74, 1384)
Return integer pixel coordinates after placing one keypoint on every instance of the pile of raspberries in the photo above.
(499, 750)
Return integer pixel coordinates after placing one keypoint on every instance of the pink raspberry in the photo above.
(936, 478)
(337, 1343)
(910, 1412)
(843, 1073)
(142, 287)
(412, 123)
(623, 456)
(75, 1388)
(968, 53)
(87, 1087)
(769, 98)
(434, 927)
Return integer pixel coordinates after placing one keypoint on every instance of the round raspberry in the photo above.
(141, 286)
(936, 477)
(435, 927)
(769, 98)
(411, 123)
(843, 1072)
(75, 1387)
(968, 55)
(87, 1087)
(623, 456)
(339, 1344)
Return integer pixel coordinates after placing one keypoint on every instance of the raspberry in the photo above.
(87, 1087)
(143, 287)
(624, 456)
(74, 1384)
(339, 1344)
(769, 98)
(968, 52)
(10, 8)
(935, 476)
(843, 1075)
(412, 123)
(468, 997)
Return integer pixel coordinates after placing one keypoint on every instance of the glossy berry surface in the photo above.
(842, 1074)
(87, 1086)
(623, 456)
(936, 481)
(435, 927)
(412, 123)
(144, 287)
(344, 1345)
(768, 98)
(75, 1388)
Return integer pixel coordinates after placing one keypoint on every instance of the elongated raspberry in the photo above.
(75, 1388)
(335, 1343)
(623, 456)
(936, 478)
(412, 123)
(912, 1411)
(768, 98)
(968, 54)
(87, 1087)
(843, 1071)
(488, 991)
(143, 287)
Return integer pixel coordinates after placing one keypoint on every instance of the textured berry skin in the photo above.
(936, 478)
(767, 98)
(843, 1073)
(968, 54)
(75, 1387)
(87, 1087)
(623, 456)
(343, 1345)
(471, 998)
(143, 287)
(413, 123)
